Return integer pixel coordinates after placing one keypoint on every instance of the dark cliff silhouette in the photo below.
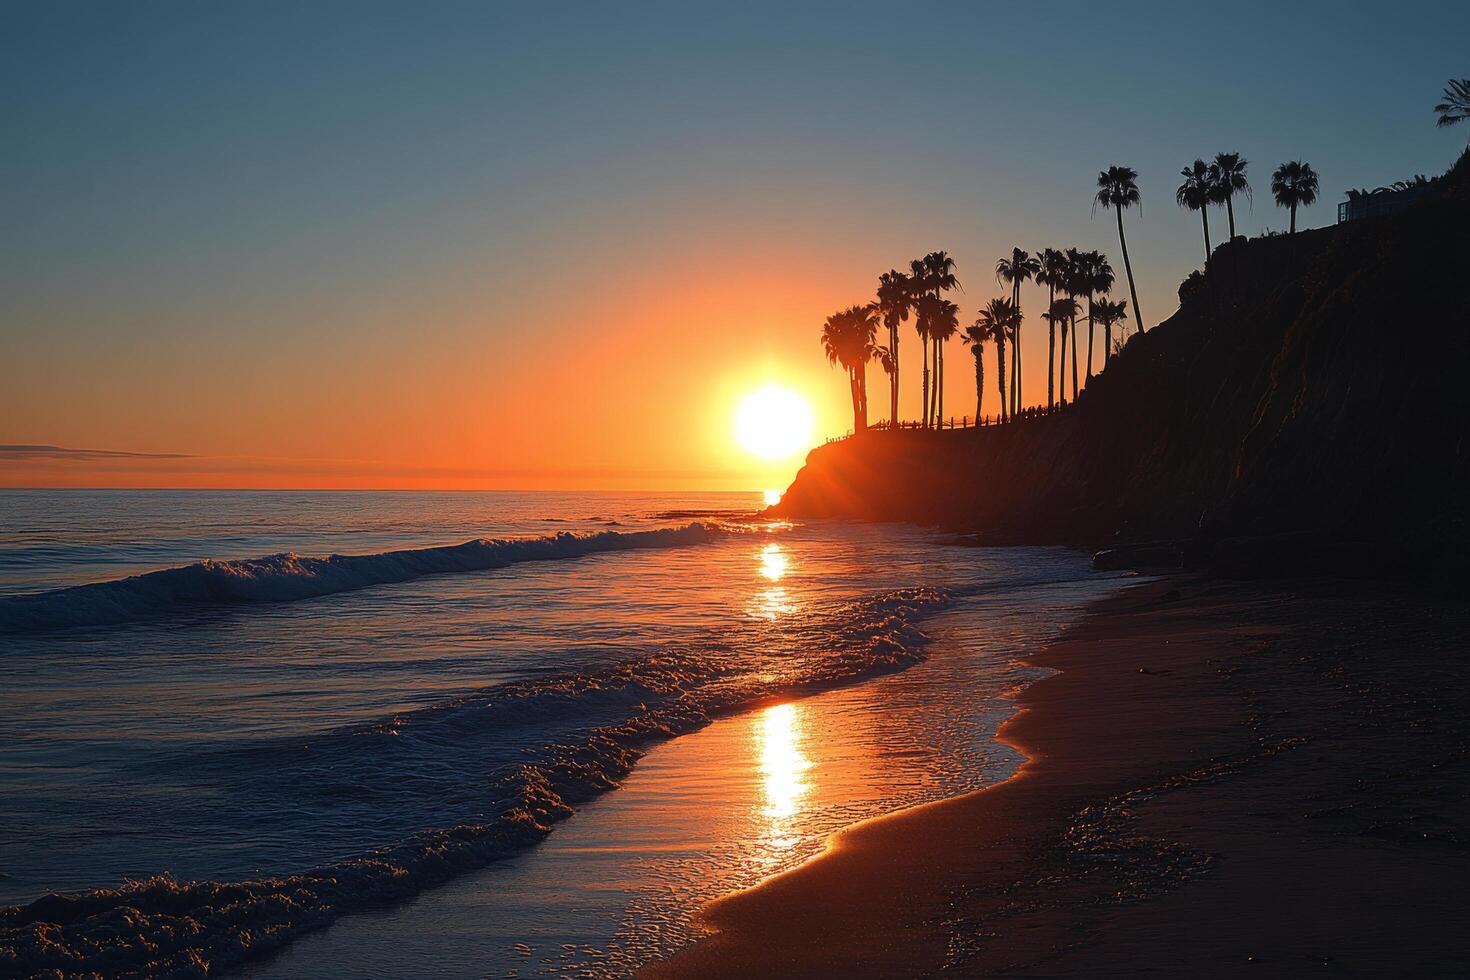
(1310, 389)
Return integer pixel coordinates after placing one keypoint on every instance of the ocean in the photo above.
(199, 684)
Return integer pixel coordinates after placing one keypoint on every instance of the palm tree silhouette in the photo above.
(917, 292)
(1196, 193)
(1456, 105)
(1294, 184)
(847, 338)
(944, 322)
(977, 337)
(1109, 313)
(1076, 285)
(1230, 180)
(995, 321)
(889, 364)
(1016, 270)
(894, 303)
(1117, 188)
(1097, 280)
(1051, 275)
(933, 275)
(1060, 313)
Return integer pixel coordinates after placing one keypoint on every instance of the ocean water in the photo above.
(407, 724)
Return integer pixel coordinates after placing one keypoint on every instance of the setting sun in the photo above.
(773, 423)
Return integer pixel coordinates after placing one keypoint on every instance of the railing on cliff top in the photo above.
(962, 422)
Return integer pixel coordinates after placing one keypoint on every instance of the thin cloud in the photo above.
(60, 452)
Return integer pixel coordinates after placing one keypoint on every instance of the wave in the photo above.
(599, 725)
(287, 577)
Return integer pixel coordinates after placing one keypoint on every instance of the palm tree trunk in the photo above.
(893, 379)
(1128, 267)
(1091, 339)
(861, 372)
(1204, 216)
(934, 387)
(1051, 364)
(1293, 218)
(1074, 358)
(925, 345)
(1000, 376)
(1062, 374)
(1107, 344)
(1230, 210)
(979, 382)
(939, 395)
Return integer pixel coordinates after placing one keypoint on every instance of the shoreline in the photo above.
(1221, 776)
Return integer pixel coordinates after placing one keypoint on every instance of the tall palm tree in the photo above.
(1229, 181)
(977, 337)
(895, 302)
(1117, 188)
(944, 322)
(889, 364)
(931, 276)
(1098, 280)
(847, 338)
(1078, 282)
(1016, 270)
(1061, 313)
(939, 274)
(1196, 194)
(1051, 275)
(1293, 185)
(1109, 313)
(996, 321)
(1456, 105)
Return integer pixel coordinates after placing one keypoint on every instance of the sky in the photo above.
(552, 245)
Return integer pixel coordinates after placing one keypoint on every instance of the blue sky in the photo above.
(242, 200)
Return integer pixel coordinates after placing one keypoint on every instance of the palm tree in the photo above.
(977, 337)
(944, 322)
(1293, 184)
(1230, 180)
(1196, 194)
(847, 338)
(931, 276)
(1051, 275)
(1016, 270)
(889, 364)
(995, 321)
(1456, 105)
(1060, 313)
(1077, 284)
(1117, 188)
(894, 303)
(1097, 280)
(1109, 313)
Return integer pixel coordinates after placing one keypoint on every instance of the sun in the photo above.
(773, 423)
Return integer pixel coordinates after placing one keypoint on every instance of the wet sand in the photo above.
(1224, 778)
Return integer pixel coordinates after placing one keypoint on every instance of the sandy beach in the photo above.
(1223, 778)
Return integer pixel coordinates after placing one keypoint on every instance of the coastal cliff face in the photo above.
(1309, 385)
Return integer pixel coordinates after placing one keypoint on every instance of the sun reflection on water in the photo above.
(783, 766)
(773, 562)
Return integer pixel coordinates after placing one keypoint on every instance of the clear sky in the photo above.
(550, 245)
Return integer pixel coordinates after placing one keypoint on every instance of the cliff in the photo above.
(1311, 385)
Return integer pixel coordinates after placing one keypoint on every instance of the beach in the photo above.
(1222, 778)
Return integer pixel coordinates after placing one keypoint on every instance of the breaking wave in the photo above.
(582, 734)
(287, 577)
